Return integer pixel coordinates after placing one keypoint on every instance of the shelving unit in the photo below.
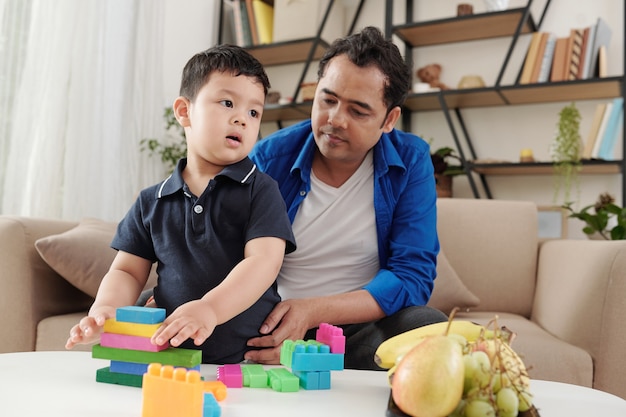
(301, 51)
(508, 23)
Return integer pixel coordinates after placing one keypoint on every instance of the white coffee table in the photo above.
(55, 384)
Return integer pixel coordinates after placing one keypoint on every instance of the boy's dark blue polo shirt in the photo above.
(197, 241)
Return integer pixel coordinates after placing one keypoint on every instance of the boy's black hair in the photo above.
(369, 47)
(222, 58)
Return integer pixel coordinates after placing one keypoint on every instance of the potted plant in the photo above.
(566, 151)
(444, 169)
(175, 146)
(607, 221)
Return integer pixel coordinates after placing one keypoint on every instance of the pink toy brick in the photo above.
(123, 341)
(332, 336)
(230, 375)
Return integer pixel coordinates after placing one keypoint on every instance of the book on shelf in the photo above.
(254, 32)
(605, 118)
(531, 57)
(543, 41)
(583, 56)
(546, 60)
(593, 131)
(613, 125)
(245, 24)
(264, 14)
(599, 35)
(557, 72)
(229, 29)
(574, 53)
(238, 21)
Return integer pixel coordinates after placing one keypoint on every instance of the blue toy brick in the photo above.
(135, 368)
(316, 358)
(210, 407)
(143, 315)
(324, 380)
(308, 380)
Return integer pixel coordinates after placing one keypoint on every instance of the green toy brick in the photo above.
(282, 380)
(105, 375)
(187, 358)
(254, 376)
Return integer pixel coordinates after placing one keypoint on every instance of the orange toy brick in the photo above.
(169, 391)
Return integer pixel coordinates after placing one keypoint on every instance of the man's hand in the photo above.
(195, 319)
(89, 328)
(290, 319)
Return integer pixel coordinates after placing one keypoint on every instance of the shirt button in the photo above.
(198, 209)
(302, 193)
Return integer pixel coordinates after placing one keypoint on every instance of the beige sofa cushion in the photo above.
(449, 291)
(82, 255)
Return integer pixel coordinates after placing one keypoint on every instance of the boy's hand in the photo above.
(195, 319)
(89, 328)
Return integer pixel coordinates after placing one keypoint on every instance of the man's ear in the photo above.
(392, 119)
(181, 111)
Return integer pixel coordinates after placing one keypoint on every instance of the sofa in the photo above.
(564, 299)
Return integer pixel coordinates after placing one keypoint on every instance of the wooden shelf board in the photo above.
(297, 111)
(545, 168)
(289, 52)
(478, 97)
(598, 88)
(464, 28)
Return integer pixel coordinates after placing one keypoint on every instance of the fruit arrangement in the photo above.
(456, 369)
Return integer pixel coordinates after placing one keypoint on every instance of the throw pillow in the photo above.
(449, 290)
(82, 255)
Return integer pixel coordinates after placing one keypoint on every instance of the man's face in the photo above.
(349, 114)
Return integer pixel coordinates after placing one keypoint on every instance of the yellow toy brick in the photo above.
(132, 329)
(169, 391)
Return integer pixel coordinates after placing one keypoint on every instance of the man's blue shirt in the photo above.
(404, 202)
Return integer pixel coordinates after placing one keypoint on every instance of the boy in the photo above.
(217, 227)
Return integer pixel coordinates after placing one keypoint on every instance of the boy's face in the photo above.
(222, 123)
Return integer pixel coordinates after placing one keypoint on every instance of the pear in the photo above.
(428, 381)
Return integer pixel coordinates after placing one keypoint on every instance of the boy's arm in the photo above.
(241, 288)
(120, 287)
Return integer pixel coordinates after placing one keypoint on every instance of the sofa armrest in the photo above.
(580, 298)
(29, 289)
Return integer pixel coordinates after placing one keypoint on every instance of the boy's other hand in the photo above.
(89, 328)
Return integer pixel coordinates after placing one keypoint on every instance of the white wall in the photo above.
(498, 132)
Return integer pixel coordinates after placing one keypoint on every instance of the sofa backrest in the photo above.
(493, 247)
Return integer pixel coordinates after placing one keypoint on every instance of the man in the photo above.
(361, 197)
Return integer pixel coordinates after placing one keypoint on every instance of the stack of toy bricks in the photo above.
(126, 343)
(311, 363)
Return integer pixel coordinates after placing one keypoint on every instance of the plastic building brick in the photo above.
(230, 375)
(313, 380)
(332, 336)
(217, 388)
(106, 376)
(132, 329)
(282, 380)
(169, 391)
(137, 368)
(307, 356)
(210, 407)
(124, 341)
(187, 358)
(254, 376)
(289, 346)
(135, 314)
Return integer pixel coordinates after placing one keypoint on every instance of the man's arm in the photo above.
(292, 318)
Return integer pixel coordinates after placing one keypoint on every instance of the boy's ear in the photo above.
(181, 111)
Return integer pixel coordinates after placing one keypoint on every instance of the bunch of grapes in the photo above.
(496, 380)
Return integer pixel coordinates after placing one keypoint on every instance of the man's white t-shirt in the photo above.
(335, 230)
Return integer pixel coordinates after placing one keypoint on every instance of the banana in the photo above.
(391, 350)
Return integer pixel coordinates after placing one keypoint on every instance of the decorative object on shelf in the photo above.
(464, 9)
(496, 5)
(444, 171)
(307, 91)
(430, 74)
(566, 152)
(526, 155)
(471, 81)
(608, 220)
(173, 146)
(272, 97)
